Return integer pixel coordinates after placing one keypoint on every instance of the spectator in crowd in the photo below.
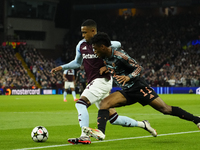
(158, 43)
(13, 74)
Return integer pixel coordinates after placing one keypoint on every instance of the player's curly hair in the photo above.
(101, 38)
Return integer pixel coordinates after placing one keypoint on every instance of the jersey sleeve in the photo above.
(76, 63)
(137, 69)
(65, 72)
(131, 63)
(116, 44)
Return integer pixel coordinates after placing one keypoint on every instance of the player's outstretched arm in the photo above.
(76, 63)
(56, 69)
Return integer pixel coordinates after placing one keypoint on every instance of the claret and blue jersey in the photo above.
(92, 64)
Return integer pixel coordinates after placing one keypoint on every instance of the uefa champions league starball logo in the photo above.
(198, 90)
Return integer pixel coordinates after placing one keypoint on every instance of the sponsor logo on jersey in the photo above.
(89, 56)
(70, 73)
(84, 48)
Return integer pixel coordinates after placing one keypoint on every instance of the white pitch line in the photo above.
(130, 138)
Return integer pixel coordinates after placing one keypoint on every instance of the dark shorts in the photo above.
(140, 92)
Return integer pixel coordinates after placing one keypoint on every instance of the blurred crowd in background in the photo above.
(162, 45)
(12, 73)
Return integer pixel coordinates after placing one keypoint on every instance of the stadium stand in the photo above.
(162, 45)
(41, 67)
(12, 72)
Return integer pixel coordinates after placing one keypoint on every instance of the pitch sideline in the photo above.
(121, 139)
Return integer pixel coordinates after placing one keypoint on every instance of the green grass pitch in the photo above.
(20, 114)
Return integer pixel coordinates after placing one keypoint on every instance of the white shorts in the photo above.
(97, 90)
(69, 85)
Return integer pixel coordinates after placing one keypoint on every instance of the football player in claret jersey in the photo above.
(69, 82)
(126, 73)
(99, 85)
(81, 79)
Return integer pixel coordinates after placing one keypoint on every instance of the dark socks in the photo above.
(176, 111)
(103, 116)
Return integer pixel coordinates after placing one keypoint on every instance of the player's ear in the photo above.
(93, 30)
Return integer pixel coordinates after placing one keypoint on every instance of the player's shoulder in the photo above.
(115, 44)
(65, 71)
(81, 42)
(119, 53)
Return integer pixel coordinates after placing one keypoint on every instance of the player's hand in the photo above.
(102, 70)
(123, 79)
(65, 79)
(54, 70)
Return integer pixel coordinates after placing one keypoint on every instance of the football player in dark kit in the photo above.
(81, 79)
(99, 85)
(126, 73)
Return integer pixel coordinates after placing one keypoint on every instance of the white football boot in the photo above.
(149, 128)
(96, 133)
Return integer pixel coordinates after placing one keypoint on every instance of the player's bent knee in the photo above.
(81, 102)
(105, 105)
(112, 111)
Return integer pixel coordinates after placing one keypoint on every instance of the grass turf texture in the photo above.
(20, 114)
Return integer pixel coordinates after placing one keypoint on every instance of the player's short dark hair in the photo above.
(101, 38)
(89, 23)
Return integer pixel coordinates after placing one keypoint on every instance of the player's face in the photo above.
(99, 50)
(87, 32)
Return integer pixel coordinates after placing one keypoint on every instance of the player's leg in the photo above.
(81, 105)
(72, 87)
(89, 96)
(83, 117)
(149, 96)
(65, 95)
(161, 106)
(115, 99)
(73, 93)
(125, 121)
(66, 86)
